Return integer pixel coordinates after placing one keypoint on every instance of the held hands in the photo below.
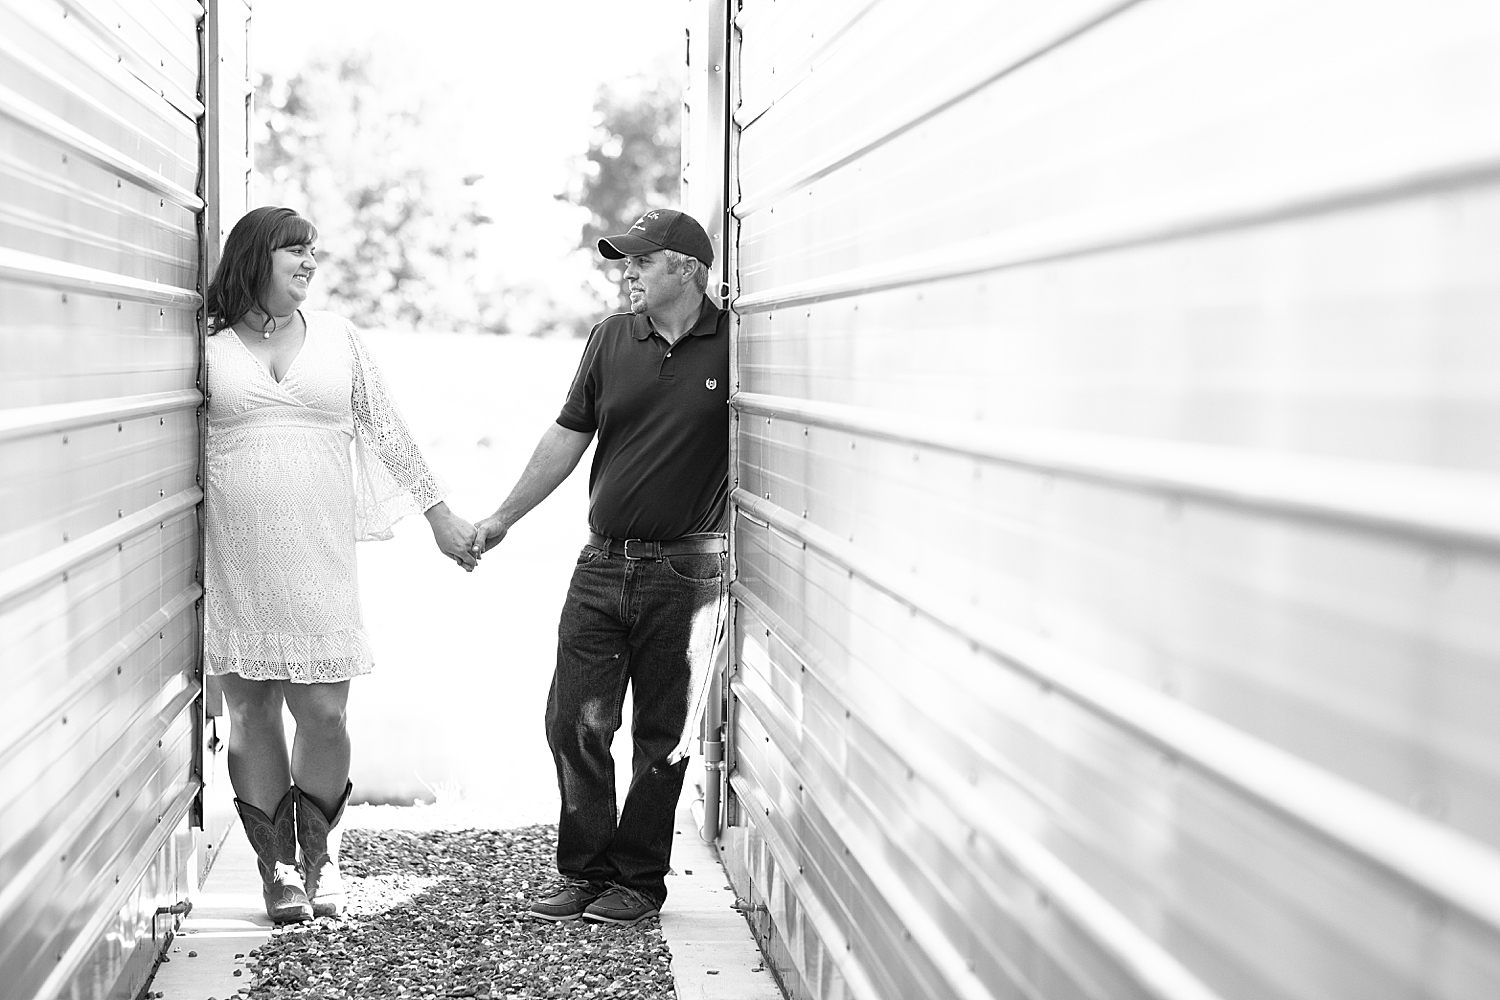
(454, 536)
(487, 534)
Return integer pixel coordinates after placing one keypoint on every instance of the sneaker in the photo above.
(620, 905)
(568, 900)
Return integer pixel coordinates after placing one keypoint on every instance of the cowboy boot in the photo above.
(319, 837)
(274, 839)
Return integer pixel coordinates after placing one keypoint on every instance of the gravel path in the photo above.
(441, 913)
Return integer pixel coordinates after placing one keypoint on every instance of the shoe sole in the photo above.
(597, 918)
(559, 919)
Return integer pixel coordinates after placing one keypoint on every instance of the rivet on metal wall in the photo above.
(65, 439)
(120, 512)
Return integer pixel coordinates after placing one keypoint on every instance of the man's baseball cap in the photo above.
(660, 229)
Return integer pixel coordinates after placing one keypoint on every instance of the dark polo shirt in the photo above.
(661, 466)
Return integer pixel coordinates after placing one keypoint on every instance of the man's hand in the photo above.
(454, 536)
(487, 534)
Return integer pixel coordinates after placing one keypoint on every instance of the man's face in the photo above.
(650, 285)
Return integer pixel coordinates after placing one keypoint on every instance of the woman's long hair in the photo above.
(245, 267)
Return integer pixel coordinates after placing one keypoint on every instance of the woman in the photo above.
(288, 393)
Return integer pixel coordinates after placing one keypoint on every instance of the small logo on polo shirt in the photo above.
(710, 383)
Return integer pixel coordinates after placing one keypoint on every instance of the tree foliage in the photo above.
(634, 163)
(398, 219)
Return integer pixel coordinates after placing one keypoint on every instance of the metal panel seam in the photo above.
(97, 62)
(50, 126)
(1450, 506)
(32, 421)
(138, 68)
(805, 68)
(111, 657)
(89, 934)
(34, 269)
(1142, 223)
(836, 944)
(1141, 957)
(25, 576)
(15, 889)
(1452, 868)
(862, 145)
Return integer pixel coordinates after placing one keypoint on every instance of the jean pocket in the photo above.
(699, 567)
(588, 555)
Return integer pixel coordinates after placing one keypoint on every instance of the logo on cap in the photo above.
(641, 222)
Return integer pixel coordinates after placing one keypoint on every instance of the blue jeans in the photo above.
(652, 624)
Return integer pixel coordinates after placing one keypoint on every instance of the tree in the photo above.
(633, 164)
(397, 216)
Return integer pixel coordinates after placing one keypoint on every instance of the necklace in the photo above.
(265, 334)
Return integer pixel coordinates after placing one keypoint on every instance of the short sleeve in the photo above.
(580, 412)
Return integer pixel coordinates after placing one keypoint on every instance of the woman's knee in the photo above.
(322, 708)
(253, 705)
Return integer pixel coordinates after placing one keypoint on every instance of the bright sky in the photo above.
(522, 75)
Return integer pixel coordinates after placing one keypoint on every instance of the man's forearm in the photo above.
(556, 455)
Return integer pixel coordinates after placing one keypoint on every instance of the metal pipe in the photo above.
(713, 753)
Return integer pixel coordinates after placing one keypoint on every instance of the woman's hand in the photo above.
(454, 536)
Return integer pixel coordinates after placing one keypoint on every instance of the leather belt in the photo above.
(638, 548)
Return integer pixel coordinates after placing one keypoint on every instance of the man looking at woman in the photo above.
(646, 605)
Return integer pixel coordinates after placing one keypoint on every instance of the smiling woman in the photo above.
(283, 507)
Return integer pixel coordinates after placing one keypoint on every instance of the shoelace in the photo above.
(634, 896)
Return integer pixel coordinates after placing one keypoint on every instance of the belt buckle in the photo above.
(652, 548)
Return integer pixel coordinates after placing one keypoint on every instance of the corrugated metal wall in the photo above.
(100, 258)
(1117, 528)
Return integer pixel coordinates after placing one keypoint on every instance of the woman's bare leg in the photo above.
(320, 750)
(259, 768)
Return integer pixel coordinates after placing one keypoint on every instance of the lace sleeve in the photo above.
(391, 479)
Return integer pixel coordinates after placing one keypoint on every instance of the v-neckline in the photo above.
(306, 336)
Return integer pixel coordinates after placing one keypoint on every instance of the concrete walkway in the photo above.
(714, 956)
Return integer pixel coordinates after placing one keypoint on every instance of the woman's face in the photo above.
(291, 273)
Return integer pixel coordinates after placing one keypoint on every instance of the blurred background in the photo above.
(460, 159)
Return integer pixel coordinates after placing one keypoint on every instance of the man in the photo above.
(647, 601)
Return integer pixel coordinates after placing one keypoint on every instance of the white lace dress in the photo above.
(284, 505)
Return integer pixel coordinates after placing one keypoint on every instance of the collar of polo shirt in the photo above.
(706, 324)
